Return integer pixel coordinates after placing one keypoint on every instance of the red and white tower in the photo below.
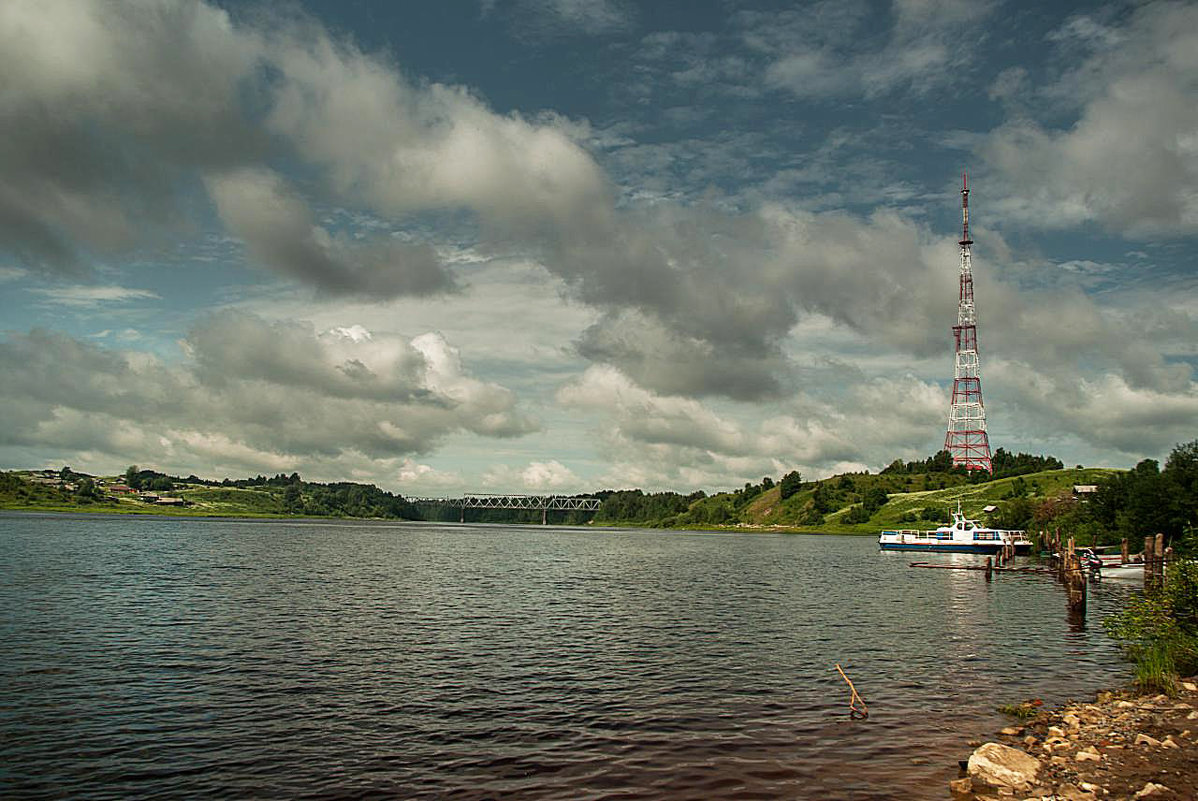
(966, 439)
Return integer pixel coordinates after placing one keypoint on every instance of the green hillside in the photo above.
(59, 491)
(839, 505)
(907, 500)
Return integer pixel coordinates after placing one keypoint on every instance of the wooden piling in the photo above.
(989, 568)
(1075, 582)
(1125, 554)
(1149, 558)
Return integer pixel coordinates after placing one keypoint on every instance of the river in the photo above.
(164, 658)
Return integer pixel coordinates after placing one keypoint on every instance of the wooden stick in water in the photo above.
(855, 699)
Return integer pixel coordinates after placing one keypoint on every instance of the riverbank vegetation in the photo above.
(1096, 505)
(1159, 630)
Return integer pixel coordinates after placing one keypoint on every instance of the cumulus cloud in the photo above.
(539, 477)
(1130, 161)
(105, 107)
(253, 392)
(414, 476)
(113, 110)
(1104, 411)
(115, 115)
(280, 233)
(664, 441)
(694, 300)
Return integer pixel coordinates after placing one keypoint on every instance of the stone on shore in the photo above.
(1122, 747)
(1001, 766)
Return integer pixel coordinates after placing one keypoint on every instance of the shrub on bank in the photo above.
(1159, 631)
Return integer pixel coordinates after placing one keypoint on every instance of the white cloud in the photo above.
(252, 393)
(415, 477)
(670, 442)
(86, 296)
(1103, 410)
(1130, 161)
(539, 477)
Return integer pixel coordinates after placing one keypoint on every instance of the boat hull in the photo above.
(1126, 572)
(943, 547)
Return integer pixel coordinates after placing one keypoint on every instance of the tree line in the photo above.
(1003, 465)
(1132, 504)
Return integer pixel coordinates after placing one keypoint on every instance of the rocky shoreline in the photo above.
(1121, 746)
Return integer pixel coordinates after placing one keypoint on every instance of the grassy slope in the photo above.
(769, 511)
(206, 501)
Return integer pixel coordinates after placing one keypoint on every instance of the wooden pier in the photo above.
(1066, 566)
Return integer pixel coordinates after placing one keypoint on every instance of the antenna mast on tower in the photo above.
(966, 439)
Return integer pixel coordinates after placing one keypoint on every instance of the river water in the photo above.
(167, 658)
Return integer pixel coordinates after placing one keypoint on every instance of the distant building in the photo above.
(1080, 490)
(168, 501)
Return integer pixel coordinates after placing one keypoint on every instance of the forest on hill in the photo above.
(1024, 492)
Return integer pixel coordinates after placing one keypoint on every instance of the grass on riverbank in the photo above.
(1159, 630)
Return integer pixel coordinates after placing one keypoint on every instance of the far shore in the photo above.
(208, 514)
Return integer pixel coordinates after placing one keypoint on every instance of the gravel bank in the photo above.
(1121, 746)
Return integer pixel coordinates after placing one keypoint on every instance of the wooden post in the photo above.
(989, 568)
(1075, 580)
(1125, 556)
(1149, 549)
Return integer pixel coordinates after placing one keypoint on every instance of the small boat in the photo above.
(1129, 571)
(961, 536)
(1111, 565)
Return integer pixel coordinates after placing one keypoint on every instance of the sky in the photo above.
(552, 246)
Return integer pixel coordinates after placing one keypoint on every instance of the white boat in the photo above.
(1111, 565)
(1129, 571)
(961, 536)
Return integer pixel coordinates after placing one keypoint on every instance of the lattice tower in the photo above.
(966, 439)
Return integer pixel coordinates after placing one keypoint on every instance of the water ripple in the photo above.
(158, 658)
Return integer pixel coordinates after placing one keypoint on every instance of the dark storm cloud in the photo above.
(280, 233)
(656, 357)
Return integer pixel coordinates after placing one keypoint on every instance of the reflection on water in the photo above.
(159, 658)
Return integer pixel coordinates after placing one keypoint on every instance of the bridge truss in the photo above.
(542, 503)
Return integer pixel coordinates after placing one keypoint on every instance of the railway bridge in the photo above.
(543, 503)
